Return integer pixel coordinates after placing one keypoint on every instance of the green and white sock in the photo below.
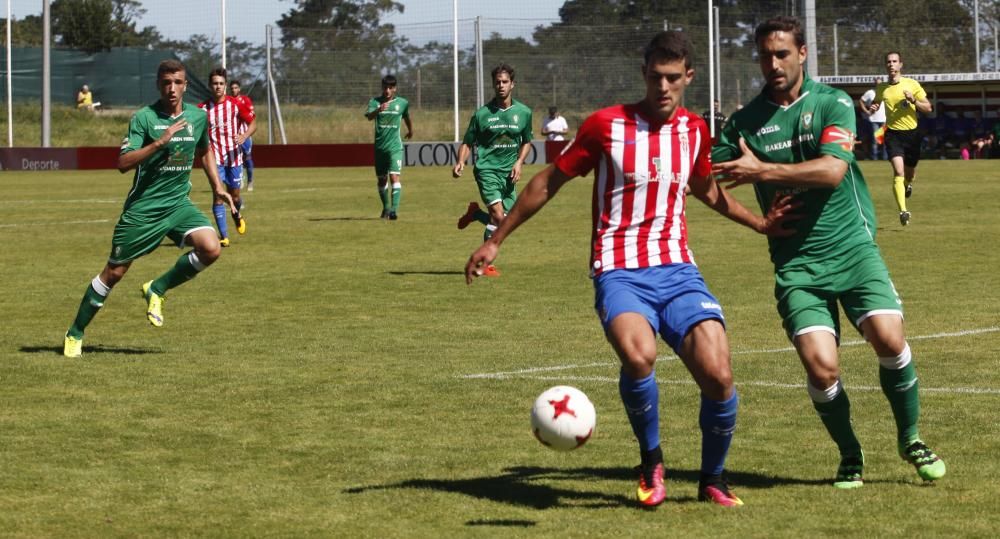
(397, 189)
(898, 377)
(186, 267)
(834, 409)
(93, 300)
(383, 195)
(488, 233)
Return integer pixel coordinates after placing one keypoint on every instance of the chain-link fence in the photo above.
(576, 67)
(573, 67)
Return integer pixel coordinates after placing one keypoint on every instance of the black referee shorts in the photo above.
(905, 144)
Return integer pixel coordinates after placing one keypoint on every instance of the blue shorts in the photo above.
(247, 147)
(232, 176)
(673, 298)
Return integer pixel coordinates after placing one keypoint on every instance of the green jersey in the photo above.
(499, 134)
(387, 137)
(820, 122)
(163, 181)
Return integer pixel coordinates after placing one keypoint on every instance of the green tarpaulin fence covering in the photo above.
(121, 77)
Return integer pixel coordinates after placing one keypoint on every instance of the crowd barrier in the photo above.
(416, 154)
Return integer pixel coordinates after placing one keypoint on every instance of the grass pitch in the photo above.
(332, 375)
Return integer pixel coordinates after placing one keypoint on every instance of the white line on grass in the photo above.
(19, 225)
(530, 374)
(508, 374)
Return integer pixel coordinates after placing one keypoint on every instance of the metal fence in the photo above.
(575, 68)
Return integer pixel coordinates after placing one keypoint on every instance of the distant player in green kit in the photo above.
(387, 110)
(164, 141)
(502, 132)
(796, 139)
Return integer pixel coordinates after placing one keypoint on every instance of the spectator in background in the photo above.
(555, 127)
(877, 121)
(716, 116)
(85, 99)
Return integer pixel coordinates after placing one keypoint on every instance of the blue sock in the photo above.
(220, 219)
(718, 421)
(642, 405)
(249, 167)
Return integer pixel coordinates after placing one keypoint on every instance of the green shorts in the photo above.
(388, 162)
(808, 293)
(496, 186)
(137, 235)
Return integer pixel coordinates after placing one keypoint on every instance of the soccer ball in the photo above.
(563, 418)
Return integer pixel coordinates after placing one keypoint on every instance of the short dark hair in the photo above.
(781, 23)
(236, 82)
(897, 53)
(553, 110)
(389, 80)
(217, 72)
(169, 66)
(670, 45)
(502, 68)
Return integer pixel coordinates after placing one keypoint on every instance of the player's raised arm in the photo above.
(824, 171)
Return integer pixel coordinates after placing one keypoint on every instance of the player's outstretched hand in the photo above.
(456, 172)
(482, 257)
(782, 210)
(742, 170)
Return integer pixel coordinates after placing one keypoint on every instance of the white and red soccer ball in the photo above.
(563, 418)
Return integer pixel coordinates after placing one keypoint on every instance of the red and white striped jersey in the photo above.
(223, 125)
(641, 170)
(247, 103)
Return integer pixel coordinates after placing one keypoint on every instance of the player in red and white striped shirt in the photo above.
(235, 91)
(643, 156)
(225, 116)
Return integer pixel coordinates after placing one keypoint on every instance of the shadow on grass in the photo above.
(532, 486)
(344, 219)
(98, 349)
(502, 522)
(428, 272)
